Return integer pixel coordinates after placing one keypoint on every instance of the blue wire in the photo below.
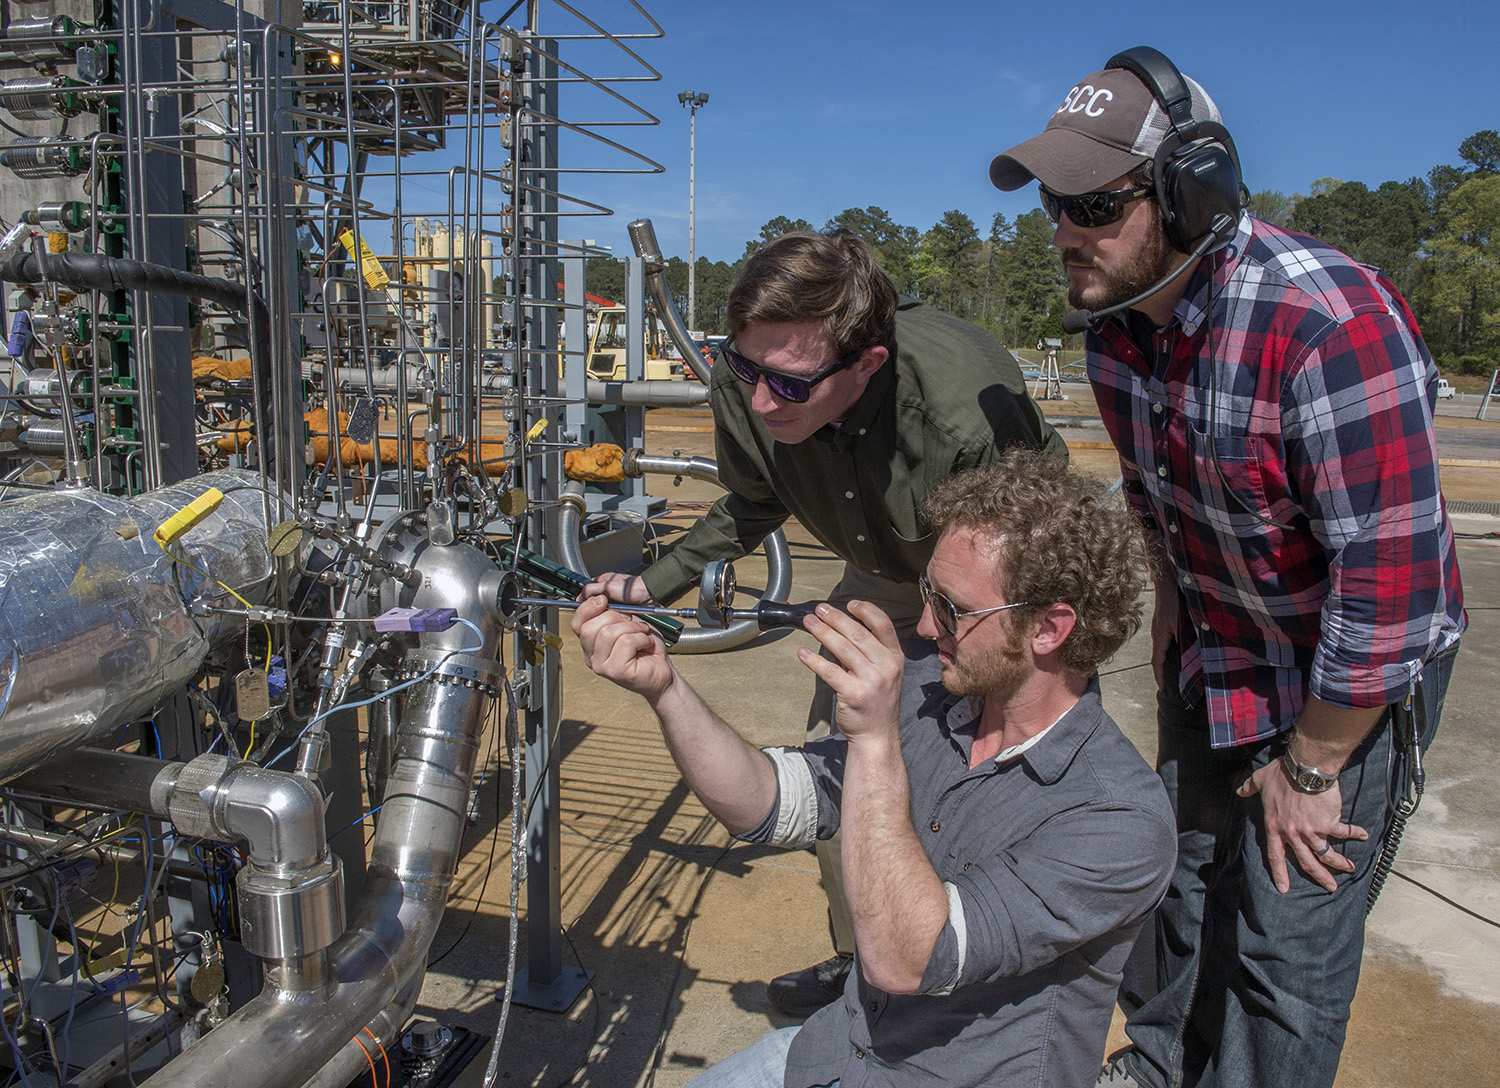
(354, 823)
(388, 692)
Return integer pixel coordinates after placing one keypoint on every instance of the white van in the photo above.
(1445, 391)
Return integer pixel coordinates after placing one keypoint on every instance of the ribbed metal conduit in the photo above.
(694, 640)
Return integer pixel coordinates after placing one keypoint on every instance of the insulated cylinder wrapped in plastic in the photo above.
(95, 619)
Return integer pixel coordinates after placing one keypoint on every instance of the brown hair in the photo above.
(1054, 539)
(808, 276)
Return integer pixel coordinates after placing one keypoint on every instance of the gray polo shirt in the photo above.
(1052, 859)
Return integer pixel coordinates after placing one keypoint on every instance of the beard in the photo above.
(1152, 261)
(996, 672)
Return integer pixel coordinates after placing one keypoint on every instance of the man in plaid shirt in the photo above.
(1272, 404)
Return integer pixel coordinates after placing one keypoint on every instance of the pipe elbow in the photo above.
(279, 815)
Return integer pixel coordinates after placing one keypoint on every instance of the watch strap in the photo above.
(1304, 778)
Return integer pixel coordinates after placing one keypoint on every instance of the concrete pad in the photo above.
(682, 928)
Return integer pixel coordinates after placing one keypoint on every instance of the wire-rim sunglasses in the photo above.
(945, 613)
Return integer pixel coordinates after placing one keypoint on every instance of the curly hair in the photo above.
(809, 276)
(1053, 539)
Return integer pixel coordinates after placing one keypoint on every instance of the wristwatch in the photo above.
(1305, 778)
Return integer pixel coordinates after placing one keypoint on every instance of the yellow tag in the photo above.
(374, 272)
(536, 430)
(191, 514)
(106, 963)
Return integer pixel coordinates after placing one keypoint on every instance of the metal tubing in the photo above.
(377, 965)
(643, 237)
(653, 393)
(291, 895)
(701, 640)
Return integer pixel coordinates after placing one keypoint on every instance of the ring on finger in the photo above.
(1327, 846)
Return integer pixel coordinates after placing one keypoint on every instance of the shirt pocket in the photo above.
(1230, 486)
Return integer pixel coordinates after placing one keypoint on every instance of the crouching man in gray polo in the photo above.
(1003, 841)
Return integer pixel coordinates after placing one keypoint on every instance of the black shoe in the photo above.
(804, 992)
(1116, 1074)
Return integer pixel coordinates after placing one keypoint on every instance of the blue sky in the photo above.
(820, 105)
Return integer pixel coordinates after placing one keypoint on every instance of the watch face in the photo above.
(1310, 781)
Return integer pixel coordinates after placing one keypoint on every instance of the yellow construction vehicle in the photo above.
(607, 340)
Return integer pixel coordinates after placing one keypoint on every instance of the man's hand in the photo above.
(623, 649)
(867, 676)
(618, 587)
(1302, 824)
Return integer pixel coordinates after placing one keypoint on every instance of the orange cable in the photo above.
(374, 1083)
(384, 1057)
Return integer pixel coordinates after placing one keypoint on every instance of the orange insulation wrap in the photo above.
(355, 454)
(602, 462)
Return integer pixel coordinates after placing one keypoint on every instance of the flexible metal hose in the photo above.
(694, 640)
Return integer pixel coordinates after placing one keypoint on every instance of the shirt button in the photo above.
(874, 1006)
(848, 494)
(1206, 626)
(1162, 470)
(1172, 528)
(858, 1053)
(1156, 408)
(935, 825)
(860, 537)
(861, 430)
(1187, 579)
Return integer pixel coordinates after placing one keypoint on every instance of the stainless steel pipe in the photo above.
(375, 969)
(643, 237)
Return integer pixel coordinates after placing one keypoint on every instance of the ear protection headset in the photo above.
(1197, 169)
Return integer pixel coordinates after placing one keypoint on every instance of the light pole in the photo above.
(692, 102)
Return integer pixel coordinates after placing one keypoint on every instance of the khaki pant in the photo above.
(902, 602)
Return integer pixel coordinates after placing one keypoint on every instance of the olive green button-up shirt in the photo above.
(951, 398)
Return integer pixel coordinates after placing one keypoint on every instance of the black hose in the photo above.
(95, 271)
(1399, 817)
(1404, 773)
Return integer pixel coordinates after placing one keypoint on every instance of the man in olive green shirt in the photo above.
(837, 405)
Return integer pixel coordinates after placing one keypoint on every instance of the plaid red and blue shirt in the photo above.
(1280, 437)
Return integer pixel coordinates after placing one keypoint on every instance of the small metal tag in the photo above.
(512, 502)
(285, 538)
(252, 695)
(362, 421)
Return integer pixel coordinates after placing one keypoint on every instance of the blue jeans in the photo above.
(1255, 985)
(762, 1064)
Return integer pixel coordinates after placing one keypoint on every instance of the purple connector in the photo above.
(416, 619)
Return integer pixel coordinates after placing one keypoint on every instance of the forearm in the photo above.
(732, 777)
(897, 903)
(1326, 735)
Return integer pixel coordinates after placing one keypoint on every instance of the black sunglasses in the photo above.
(788, 387)
(1090, 209)
(946, 614)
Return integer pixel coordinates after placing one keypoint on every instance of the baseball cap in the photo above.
(1107, 125)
